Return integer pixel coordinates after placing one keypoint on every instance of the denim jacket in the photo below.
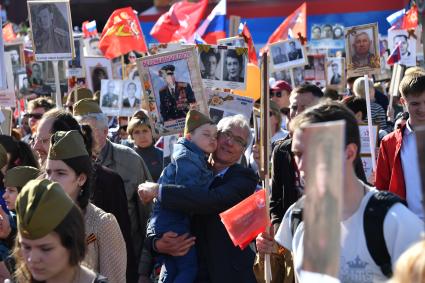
(188, 168)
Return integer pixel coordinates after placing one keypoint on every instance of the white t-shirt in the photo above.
(402, 228)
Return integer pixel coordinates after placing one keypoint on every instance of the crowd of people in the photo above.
(88, 197)
(81, 200)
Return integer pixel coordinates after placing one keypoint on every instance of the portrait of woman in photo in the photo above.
(233, 66)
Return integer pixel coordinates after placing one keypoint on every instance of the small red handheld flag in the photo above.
(395, 55)
(252, 54)
(122, 34)
(247, 219)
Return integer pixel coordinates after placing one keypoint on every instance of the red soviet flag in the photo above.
(252, 54)
(8, 33)
(410, 20)
(180, 22)
(122, 34)
(247, 219)
(294, 26)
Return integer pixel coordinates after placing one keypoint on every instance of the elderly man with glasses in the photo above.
(219, 261)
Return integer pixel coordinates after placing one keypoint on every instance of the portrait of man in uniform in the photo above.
(50, 27)
(175, 97)
(294, 53)
(110, 98)
(278, 56)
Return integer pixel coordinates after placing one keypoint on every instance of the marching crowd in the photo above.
(86, 197)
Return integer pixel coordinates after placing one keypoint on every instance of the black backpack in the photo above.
(373, 223)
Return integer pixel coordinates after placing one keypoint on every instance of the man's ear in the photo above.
(403, 100)
(351, 152)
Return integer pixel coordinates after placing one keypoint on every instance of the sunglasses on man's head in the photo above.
(36, 116)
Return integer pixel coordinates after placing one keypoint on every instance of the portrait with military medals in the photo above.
(51, 28)
(362, 49)
(173, 85)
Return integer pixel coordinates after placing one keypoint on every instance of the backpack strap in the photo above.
(297, 214)
(373, 224)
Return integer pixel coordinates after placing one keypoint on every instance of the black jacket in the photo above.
(219, 260)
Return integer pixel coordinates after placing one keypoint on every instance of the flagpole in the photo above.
(369, 122)
(58, 97)
(123, 67)
(265, 140)
(291, 74)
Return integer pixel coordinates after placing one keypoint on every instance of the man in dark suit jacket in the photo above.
(131, 100)
(219, 261)
(175, 97)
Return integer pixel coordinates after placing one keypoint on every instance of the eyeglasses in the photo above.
(36, 116)
(234, 139)
(170, 73)
(277, 94)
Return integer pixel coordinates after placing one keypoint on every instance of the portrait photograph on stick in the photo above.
(97, 69)
(16, 50)
(315, 72)
(407, 45)
(223, 66)
(287, 54)
(110, 96)
(236, 41)
(172, 83)
(51, 28)
(362, 50)
(335, 73)
(75, 66)
(131, 97)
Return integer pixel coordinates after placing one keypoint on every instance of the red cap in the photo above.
(281, 85)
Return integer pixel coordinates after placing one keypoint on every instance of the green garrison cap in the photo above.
(40, 207)
(86, 106)
(65, 145)
(20, 175)
(3, 156)
(195, 119)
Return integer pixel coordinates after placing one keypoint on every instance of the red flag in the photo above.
(8, 33)
(252, 54)
(180, 22)
(410, 20)
(294, 26)
(247, 219)
(122, 34)
(395, 55)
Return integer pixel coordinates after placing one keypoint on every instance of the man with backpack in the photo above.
(375, 226)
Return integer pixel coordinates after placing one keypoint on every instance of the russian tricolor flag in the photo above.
(396, 19)
(395, 55)
(213, 27)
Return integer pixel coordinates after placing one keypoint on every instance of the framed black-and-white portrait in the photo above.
(407, 46)
(172, 85)
(287, 54)
(236, 41)
(315, 71)
(37, 74)
(16, 50)
(169, 142)
(223, 66)
(51, 29)
(335, 70)
(111, 96)
(91, 47)
(97, 69)
(75, 66)
(362, 50)
(131, 97)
